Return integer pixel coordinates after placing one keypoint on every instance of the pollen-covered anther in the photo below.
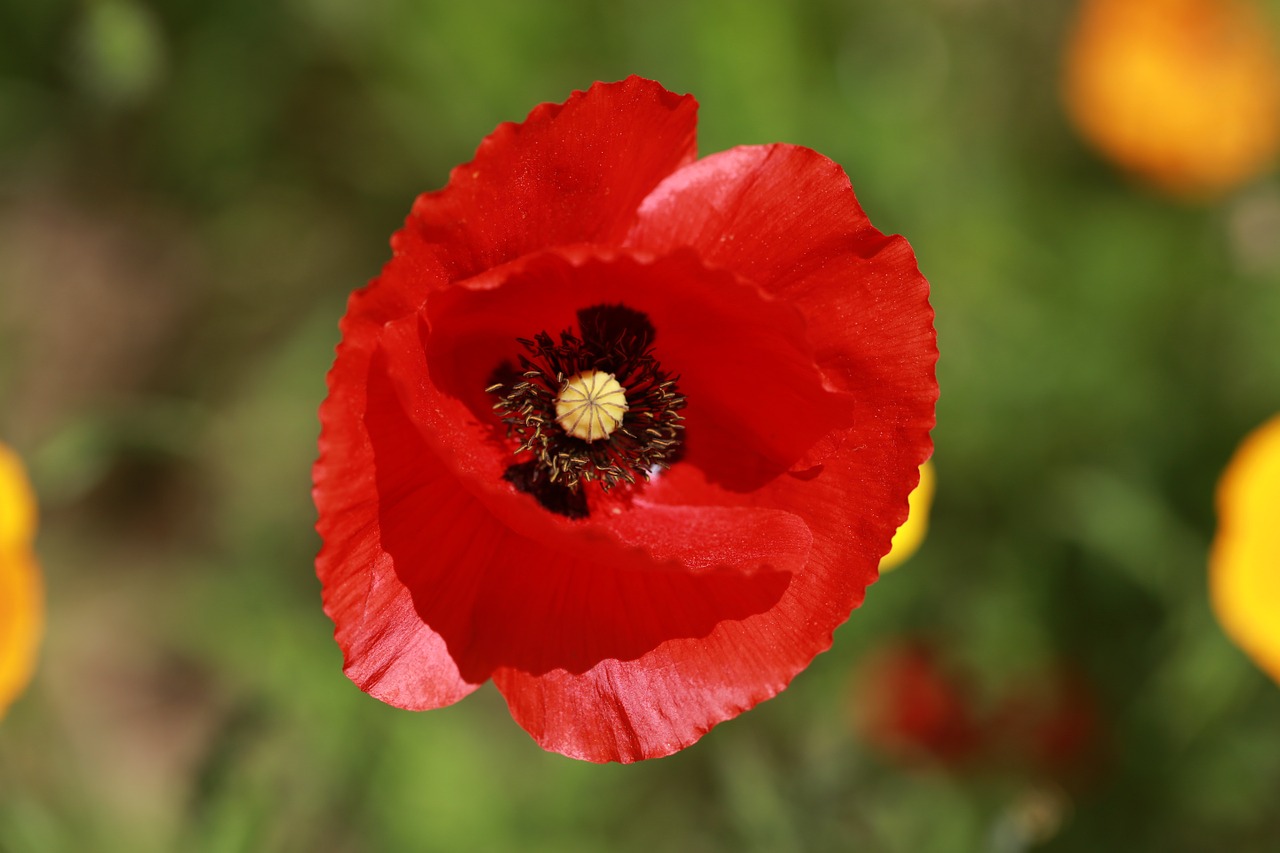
(591, 405)
(591, 409)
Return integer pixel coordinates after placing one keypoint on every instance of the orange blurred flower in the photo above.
(1183, 93)
(1244, 564)
(907, 539)
(21, 591)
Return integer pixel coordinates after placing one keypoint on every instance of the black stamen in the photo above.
(530, 478)
(613, 339)
(504, 374)
(601, 324)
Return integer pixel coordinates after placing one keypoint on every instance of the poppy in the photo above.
(21, 593)
(1185, 94)
(1050, 724)
(914, 708)
(1244, 577)
(916, 704)
(623, 431)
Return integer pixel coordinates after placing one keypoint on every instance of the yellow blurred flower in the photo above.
(1183, 93)
(1244, 564)
(909, 536)
(21, 591)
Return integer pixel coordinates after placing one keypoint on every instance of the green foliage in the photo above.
(191, 189)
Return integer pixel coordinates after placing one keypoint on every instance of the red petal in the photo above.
(622, 637)
(389, 651)
(566, 604)
(615, 582)
(786, 218)
(756, 401)
(581, 188)
(668, 698)
(544, 609)
(570, 173)
(664, 701)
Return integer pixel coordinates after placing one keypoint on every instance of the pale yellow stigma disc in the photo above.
(591, 405)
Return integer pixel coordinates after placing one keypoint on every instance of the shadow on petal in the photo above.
(585, 593)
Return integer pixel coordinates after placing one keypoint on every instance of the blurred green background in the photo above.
(190, 191)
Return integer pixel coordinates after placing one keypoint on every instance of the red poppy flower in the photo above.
(1050, 724)
(625, 432)
(911, 706)
(915, 703)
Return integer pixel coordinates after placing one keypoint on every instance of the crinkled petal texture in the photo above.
(1245, 560)
(804, 343)
(21, 592)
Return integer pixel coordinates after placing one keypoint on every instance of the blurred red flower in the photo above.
(910, 706)
(625, 432)
(915, 703)
(1051, 724)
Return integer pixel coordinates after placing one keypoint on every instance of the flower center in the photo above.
(591, 405)
(595, 406)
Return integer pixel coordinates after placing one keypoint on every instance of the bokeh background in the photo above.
(189, 192)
